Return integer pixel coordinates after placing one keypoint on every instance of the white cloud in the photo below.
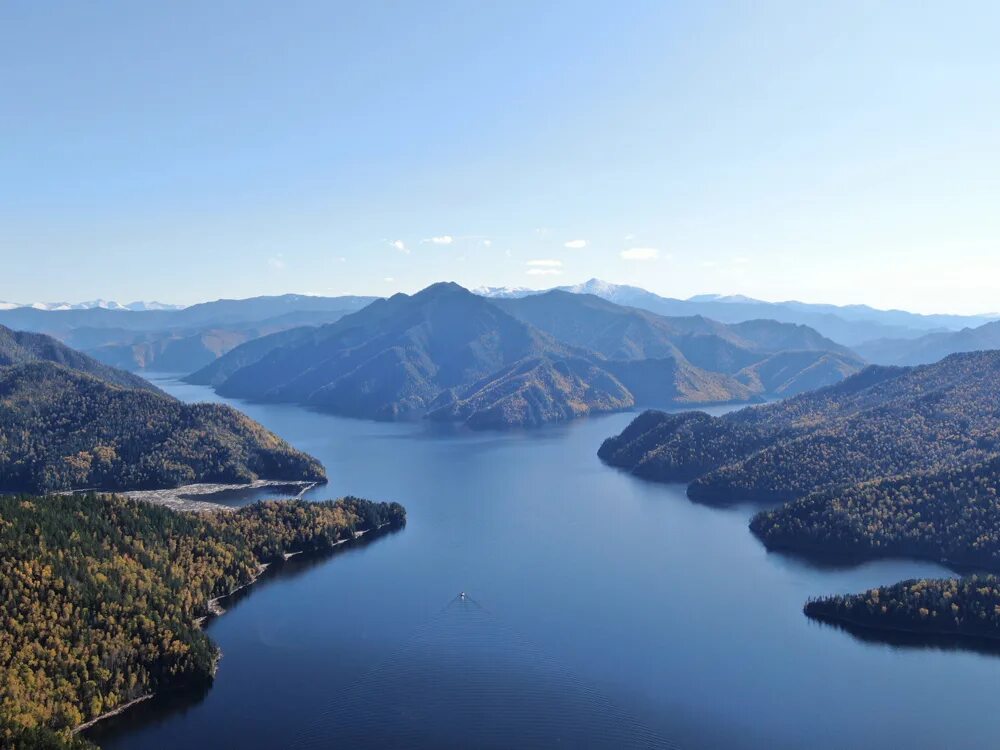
(546, 263)
(629, 237)
(444, 239)
(488, 243)
(640, 253)
(400, 245)
(277, 262)
(575, 244)
(388, 279)
(544, 271)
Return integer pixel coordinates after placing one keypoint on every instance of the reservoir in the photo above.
(601, 611)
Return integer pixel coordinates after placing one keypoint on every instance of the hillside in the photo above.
(100, 597)
(20, 348)
(933, 346)
(747, 350)
(949, 515)
(452, 355)
(879, 423)
(61, 429)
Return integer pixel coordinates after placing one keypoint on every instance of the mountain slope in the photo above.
(933, 346)
(788, 358)
(20, 348)
(61, 429)
(454, 355)
(879, 423)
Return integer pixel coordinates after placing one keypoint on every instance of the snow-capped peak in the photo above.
(503, 292)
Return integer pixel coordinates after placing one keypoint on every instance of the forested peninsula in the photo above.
(101, 597)
(892, 462)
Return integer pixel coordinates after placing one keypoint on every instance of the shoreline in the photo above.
(215, 609)
(114, 712)
(930, 637)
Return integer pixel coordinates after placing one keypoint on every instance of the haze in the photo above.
(180, 152)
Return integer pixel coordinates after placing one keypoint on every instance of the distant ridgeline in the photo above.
(100, 597)
(69, 422)
(178, 340)
(451, 355)
(890, 462)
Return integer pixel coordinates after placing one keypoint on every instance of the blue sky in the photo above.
(835, 152)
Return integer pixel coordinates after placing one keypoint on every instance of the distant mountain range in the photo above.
(181, 339)
(70, 422)
(849, 325)
(101, 304)
(932, 346)
(174, 339)
(451, 355)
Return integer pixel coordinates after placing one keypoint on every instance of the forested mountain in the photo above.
(19, 348)
(933, 346)
(879, 423)
(453, 355)
(620, 332)
(62, 429)
(848, 324)
(948, 515)
(789, 373)
(100, 597)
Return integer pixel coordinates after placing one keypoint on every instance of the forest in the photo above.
(101, 596)
(62, 429)
(968, 607)
(880, 423)
(951, 516)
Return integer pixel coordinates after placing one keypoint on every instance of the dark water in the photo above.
(604, 612)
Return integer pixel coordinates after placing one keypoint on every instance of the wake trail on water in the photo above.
(464, 679)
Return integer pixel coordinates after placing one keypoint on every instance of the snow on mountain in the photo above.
(504, 292)
(90, 305)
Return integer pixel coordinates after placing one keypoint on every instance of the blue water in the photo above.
(603, 611)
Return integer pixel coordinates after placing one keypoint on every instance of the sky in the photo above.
(185, 151)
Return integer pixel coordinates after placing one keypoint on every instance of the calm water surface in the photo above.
(603, 611)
